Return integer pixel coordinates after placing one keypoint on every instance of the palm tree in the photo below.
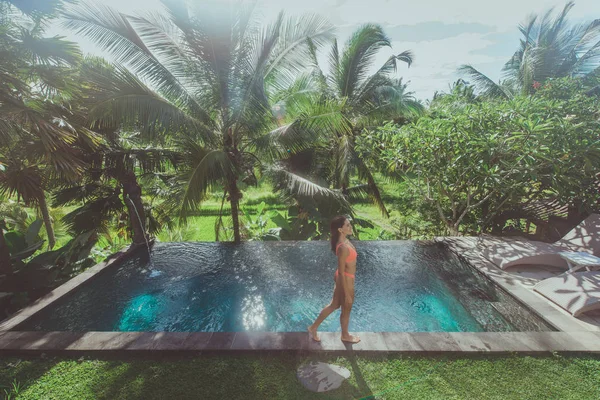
(397, 102)
(196, 78)
(37, 136)
(550, 48)
(353, 100)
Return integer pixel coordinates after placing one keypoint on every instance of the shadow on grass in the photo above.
(24, 372)
(273, 376)
(211, 376)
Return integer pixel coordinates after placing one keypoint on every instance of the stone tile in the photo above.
(80, 278)
(220, 341)
(13, 321)
(197, 341)
(330, 341)
(42, 340)
(559, 341)
(587, 339)
(296, 340)
(169, 340)
(98, 341)
(510, 342)
(370, 341)
(144, 341)
(270, 341)
(435, 341)
(400, 341)
(8, 337)
(53, 341)
(468, 342)
(564, 323)
(110, 341)
(96, 268)
(117, 340)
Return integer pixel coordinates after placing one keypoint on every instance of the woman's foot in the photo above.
(312, 332)
(350, 339)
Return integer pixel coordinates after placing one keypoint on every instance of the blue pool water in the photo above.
(282, 286)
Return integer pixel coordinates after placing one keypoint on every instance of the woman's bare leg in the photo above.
(326, 312)
(345, 318)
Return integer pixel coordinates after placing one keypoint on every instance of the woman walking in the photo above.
(343, 290)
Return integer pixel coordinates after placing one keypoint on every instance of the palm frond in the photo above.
(208, 169)
(484, 84)
(298, 39)
(366, 91)
(26, 182)
(123, 99)
(296, 185)
(113, 32)
(364, 173)
(285, 140)
(358, 56)
(305, 85)
(334, 64)
(94, 215)
(50, 50)
(324, 115)
(78, 194)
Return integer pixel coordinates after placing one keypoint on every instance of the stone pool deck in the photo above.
(71, 343)
(572, 336)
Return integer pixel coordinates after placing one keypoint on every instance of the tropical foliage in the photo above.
(202, 114)
(550, 48)
(198, 81)
(349, 99)
(473, 162)
(40, 134)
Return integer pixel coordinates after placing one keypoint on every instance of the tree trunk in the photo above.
(132, 197)
(453, 229)
(5, 264)
(234, 200)
(47, 221)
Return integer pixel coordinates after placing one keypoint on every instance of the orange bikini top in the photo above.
(352, 256)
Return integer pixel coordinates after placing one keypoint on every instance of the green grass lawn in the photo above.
(273, 377)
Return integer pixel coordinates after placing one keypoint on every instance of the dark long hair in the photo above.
(336, 224)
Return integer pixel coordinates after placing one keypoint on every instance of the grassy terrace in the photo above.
(273, 377)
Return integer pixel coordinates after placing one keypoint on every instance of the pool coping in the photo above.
(123, 343)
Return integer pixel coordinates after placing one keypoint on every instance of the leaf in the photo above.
(27, 252)
(15, 241)
(483, 83)
(281, 221)
(261, 208)
(272, 234)
(33, 231)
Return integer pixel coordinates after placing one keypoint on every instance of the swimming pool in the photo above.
(401, 286)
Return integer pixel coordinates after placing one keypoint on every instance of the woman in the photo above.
(343, 291)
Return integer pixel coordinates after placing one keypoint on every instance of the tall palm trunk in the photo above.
(235, 210)
(234, 192)
(132, 197)
(5, 264)
(47, 220)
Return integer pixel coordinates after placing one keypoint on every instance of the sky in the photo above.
(442, 34)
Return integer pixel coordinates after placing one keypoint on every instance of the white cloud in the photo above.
(436, 62)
